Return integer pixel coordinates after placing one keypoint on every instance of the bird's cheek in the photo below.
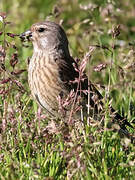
(44, 42)
(37, 46)
(34, 36)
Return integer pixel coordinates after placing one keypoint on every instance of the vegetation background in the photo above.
(27, 150)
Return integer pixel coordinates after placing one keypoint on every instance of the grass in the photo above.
(27, 149)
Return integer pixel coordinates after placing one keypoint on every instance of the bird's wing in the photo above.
(68, 73)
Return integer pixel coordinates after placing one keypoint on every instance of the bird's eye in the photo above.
(41, 29)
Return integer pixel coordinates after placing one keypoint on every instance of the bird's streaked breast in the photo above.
(44, 81)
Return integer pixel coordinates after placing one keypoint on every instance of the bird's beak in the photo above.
(26, 36)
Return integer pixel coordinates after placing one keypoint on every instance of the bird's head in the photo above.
(46, 36)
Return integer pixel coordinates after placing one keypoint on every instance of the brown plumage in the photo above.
(52, 70)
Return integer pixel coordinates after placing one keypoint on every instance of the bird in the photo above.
(53, 74)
